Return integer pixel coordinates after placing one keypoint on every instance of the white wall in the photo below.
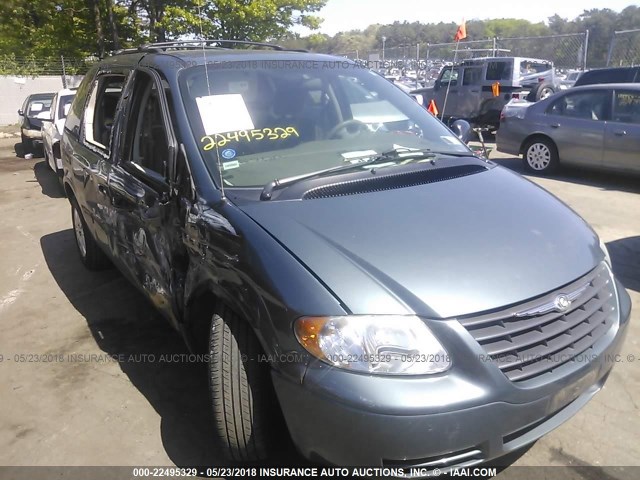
(13, 91)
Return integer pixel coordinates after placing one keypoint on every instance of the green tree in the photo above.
(255, 20)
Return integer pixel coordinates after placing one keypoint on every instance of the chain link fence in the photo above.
(32, 66)
(567, 51)
(624, 49)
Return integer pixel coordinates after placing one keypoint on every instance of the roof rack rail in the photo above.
(194, 44)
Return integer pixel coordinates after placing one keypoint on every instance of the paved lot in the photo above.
(88, 411)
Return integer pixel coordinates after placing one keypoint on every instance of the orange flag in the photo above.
(495, 89)
(432, 108)
(462, 32)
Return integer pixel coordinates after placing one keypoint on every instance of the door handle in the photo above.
(555, 125)
(620, 133)
(126, 198)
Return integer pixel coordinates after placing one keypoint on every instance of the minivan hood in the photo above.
(440, 250)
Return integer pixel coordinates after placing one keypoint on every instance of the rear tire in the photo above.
(92, 257)
(241, 391)
(540, 156)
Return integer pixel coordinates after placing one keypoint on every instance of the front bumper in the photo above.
(33, 134)
(463, 417)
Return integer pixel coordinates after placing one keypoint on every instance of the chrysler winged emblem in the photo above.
(560, 304)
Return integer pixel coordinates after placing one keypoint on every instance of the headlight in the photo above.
(607, 258)
(380, 344)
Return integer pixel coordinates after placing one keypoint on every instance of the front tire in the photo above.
(541, 156)
(27, 144)
(92, 257)
(241, 392)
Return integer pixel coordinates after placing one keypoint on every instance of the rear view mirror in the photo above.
(462, 130)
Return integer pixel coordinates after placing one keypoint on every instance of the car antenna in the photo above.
(206, 73)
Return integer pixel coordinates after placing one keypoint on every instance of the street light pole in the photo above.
(384, 39)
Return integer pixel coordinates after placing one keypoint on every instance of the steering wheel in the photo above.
(349, 127)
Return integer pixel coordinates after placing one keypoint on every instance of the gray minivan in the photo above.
(343, 264)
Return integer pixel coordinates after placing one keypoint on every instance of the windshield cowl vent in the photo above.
(381, 182)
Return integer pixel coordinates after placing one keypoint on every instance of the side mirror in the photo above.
(436, 85)
(462, 129)
(20, 112)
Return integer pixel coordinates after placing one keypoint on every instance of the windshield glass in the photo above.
(276, 119)
(64, 105)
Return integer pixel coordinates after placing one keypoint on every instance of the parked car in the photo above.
(595, 126)
(338, 256)
(34, 108)
(53, 128)
(609, 75)
(468, 87)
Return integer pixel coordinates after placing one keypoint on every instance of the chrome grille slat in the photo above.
(549, 330)
(526, 345)
(546, 364)
(514, 326)
(563, 342)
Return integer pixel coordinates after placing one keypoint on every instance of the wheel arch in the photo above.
(536, 136)
(69, 192)
(55, 150)
(205, 299)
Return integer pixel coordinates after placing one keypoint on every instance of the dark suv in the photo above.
(337, 256)
(609, 75)
(34, 109)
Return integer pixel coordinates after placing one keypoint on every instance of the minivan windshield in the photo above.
(266, 120)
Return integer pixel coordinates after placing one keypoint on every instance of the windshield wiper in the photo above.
(398, 154)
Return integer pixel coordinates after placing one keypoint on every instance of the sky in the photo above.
(344, 15)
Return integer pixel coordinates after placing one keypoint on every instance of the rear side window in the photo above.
(472, 76)
(528, 68)
(589, 105)
(100, 113)
(499, 70)
(626, 106)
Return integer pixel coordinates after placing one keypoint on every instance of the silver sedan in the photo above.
(595, 126)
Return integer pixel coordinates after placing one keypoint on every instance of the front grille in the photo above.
(535, 338)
